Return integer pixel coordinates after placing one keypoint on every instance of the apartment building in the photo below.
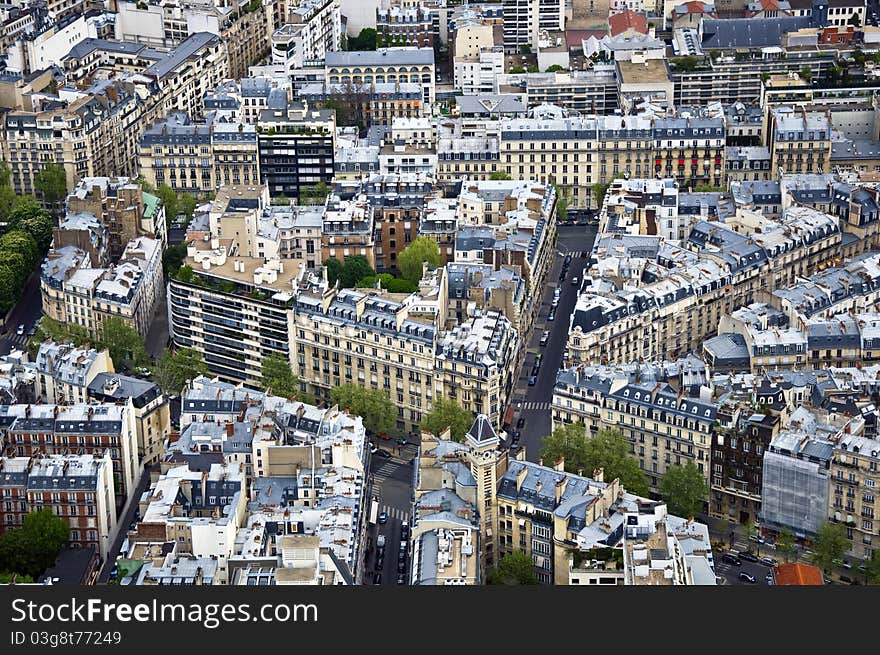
(76, 488)
(524, 19)
(131, 289)
(28, 430)
(63, 373)
(687, 300)
(123, 209)
(852, 499)
(690, 149)
(348, 229)
(652, 407)
(312, 29)
(92, 132)
(402, 64)
(747, 163)
(397, 202)
(296, 146)
(149, 408)
(200, 511)
(800, 141)
(405, 25)
(198, 158)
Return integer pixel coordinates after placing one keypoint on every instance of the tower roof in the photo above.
(482, 433)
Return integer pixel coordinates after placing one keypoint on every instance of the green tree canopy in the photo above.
(366, 40)
(399, 285)
(334, 268)
(28, 216)
(7, 202)
(607, 450)
(188, 206)
(806, 73)
(599, 191)
(168, 196)
(49, 328)
(423, 249)
(554, 68)
(51, 183)
(32, 548)
(126, 346)
(830, 544)
(372, 405)
(173, 258)
(785, 543)
(314, 195)
(175, 367)
(23, 243)
(684, 489)
(279, 378)
(500, 175)
(872, 568)
(356, 268)
(515, 568)
(446, 413)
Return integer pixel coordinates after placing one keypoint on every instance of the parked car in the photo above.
(535, 370)
(769, 578)
(373, 449)
(730, 558)
(521, 421)
(574, 281)
(404, 531)
(514, 438)
(383, 453)
(380, 559)
(383, 517)
(545, 337)
(377, 579)
(747, 577)
(551, 315)
(768, 561)
(533, 380)
(20, 330)
(401, 578)
(748, 556)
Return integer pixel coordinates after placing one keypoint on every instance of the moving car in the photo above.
(20, 330)
(747, 577)
(383, 453)
(373, 449)
(533, 380)
(383, 517)
(574, 281)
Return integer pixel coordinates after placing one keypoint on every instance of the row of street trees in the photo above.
(26, 229)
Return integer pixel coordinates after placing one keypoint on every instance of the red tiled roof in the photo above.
(798, 574)
(628, 20)
(574, 37)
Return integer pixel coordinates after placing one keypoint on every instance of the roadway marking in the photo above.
(537, 406)
(395, 513)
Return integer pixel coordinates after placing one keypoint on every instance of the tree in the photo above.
(175, 367)
(15, 262)
(684, 489)
(356, 267)
(174, 258)
(516, 70)
(51, 182)
(32, 548)
(785, 543)
(188, 206)
(21, 242)
(499, 175)
(372, 405)
(561, 203)
(554, 68)
(684, 63)
(399, 285)
(9, 289)
(515, 568)
(126, 346)
(334, 268)
(607, 450)
(831, 544)
(28, 216)
(49, 328)
(525, 49)
(599, 191)
(314, 195)
(855, 20)
(446, 413)
(279, 378)
(169, 200)
(806, 73)
(366, 40)
(872, 568)
(423, 249)
(7, 202)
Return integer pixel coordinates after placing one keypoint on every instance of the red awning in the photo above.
(508, 415)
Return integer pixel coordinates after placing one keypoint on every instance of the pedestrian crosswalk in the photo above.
(388, 468)
(536, 406)
(395, 513)
(17, 340)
